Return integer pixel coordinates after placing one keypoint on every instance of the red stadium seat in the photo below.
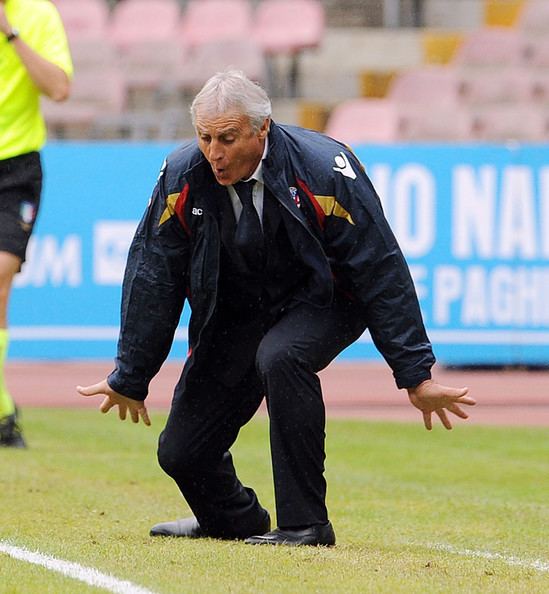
(206, 21)
(84, 19)
(364, 120)
(133, 21)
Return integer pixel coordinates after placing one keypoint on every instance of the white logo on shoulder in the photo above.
(197, 211)
(343, 166)
(162, 169)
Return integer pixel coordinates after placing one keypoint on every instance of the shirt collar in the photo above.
(257, 175)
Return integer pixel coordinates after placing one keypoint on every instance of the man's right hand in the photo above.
(136, 408)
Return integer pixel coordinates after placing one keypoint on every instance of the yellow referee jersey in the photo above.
(22, 127)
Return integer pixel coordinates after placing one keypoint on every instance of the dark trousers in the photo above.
(206, 417)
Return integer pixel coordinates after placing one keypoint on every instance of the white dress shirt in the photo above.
(257, 194)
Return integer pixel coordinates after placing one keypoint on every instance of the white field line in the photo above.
(88, 575)
(536, 564)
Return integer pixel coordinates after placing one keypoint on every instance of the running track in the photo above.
(504, 397)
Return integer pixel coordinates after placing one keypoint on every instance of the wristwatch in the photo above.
(13, 34)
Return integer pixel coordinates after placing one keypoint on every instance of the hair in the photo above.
(232, 91)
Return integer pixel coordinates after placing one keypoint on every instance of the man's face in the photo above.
(230, 145)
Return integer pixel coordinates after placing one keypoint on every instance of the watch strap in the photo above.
(13, 34)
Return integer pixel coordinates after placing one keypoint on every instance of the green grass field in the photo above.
(461, 511)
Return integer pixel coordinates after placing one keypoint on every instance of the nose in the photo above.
(216, 151)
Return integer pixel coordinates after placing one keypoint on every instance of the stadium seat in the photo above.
(540, 86)
(206, 21)
(534, 18)
(287, 28)
(537, 51)
(440, 47)
(149, 68)
(502, 13)
(84, 19)
(491, 46)
(434, 122)
(133, 21)
(427, 85)
(208, 58)
(364, 120)
(519, 122)
(93, 53)
(498, 85)
(93, 94)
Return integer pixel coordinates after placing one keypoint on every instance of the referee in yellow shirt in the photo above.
(34, 60)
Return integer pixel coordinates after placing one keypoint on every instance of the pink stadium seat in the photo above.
(150, 67)
(432, 122)
(534, 17)
(93, 94)
(537, 51)
(206, 21)
(208, 58)
(133, 21)
(498, 85)
(506, 123)
(492, 46)
(540, 86)
(289, 26)
(84, 19)
(427, 85)
(93, 53)
(364, 120)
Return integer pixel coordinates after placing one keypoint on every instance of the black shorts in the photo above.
(20, 188)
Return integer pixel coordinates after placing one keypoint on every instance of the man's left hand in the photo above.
(136, 408)
(430, 397)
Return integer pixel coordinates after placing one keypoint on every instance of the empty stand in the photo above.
(207, 21)
(364, 120)
(149, 67)
(435, 123)
(502, 13)
(133, 21)
(93, 53)
(491, 46)
(507, 123)
(427, 86)
(440, 47)
(534, 17)
(208, 58)
(287, 28)
(537, 51)
(498, 85)
(93, 94)
(84, 19)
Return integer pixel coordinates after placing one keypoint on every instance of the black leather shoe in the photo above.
(186, 527)
(316, 535)
(190, 528)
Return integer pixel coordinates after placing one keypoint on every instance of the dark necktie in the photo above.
(249, 236)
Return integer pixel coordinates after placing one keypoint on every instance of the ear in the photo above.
(264, 130)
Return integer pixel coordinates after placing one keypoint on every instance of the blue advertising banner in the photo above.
(473, 222)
